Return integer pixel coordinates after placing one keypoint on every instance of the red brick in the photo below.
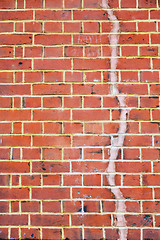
(52, 153)
(91, 193)
(32, 127)
(50, 167)
(91, 141)
(30, 233)
(88, 167)
(72, 153)
(14, 193)
(7, 4)
(33, 27)
(137, 193)
(33, 52)
(91, 27)
(92, 180)
(51, 89)
(147, 4)
(52, 127)
(52, 14)
(15, 64)
(70, 128)
(53, 27)
(72, 180)
(91, 233)
(53, 4)
(51, 206)
(134, 167)
(91, 115)
(142, 140)
(49, 220)
(4, 207)
(149, 153)
(51, 180)
(33, 3)
(131, 180)
(93, 128)
(30, 206)
(139, 114)
(138, 63)
(91, 39)
(53, 76)
(16, 15)
(49, 64)
(73, 233)
(51, 233)
(129, 4)
(13, 220)
(15, 115)
(93, 220)
(72, 102)
(89, 89)
(73, 52)
(151, 233)
(4, 179)
(125, 15)
(15, 140)
(149, 51)
(72, 27)
(47, 193)
(72, 206)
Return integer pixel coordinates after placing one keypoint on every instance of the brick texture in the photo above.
(59, 119)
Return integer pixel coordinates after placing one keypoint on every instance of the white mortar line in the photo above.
(117, 142)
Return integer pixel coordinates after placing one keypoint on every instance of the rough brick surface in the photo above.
(60, 119)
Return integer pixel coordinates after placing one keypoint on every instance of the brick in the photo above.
(30, 206)
(15, 64)
(53, 52)
(53, 15)
(90, 233)
(13, 220)
(51, 206)
(91, 39)
(70, 128)
(93, 128)
(92, 153)
(147, 4)
(52, 102)
(48, 193)
(33, 27)
(33, 52)
(142, 140)
(96, 220)
(72, 206)
(52, 153)
(15, 140)
(149, 76)
(89, 89)
(50, 167)
(51, 64)
(137, 193)
(139, 220)
(73, 52)
(149, 51)
(4, 207)
(7, 4)
(51, 180)
(55, 27)
(47, 89)
(4, 179)
(6, 52)
(139, 63)
(73, 102)
(33, 3)
(53, 4)
(14, 193)
(72, 153)
(51, 115)
(14, 167)
(92, 180)
(134, 39)
(74, 180)
(32, 127)
(72, 27)
(52, 127)
(131, 180)
(134, 167)
(146, 26)
(72, 233)
(51, 233)
(16, 15)
(90, 115)
(30, 233)
(49, 220)
(131, 4)
(53, 76)
(88, 167)
(91, 27)
(15, 115)
(90, 141)
(139, 114)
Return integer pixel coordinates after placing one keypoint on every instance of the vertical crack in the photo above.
(117, 142)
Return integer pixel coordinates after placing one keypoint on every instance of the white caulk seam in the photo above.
(118, 142)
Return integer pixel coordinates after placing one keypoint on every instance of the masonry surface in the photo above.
(60, 119)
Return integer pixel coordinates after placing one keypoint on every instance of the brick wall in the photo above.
(79, 119)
